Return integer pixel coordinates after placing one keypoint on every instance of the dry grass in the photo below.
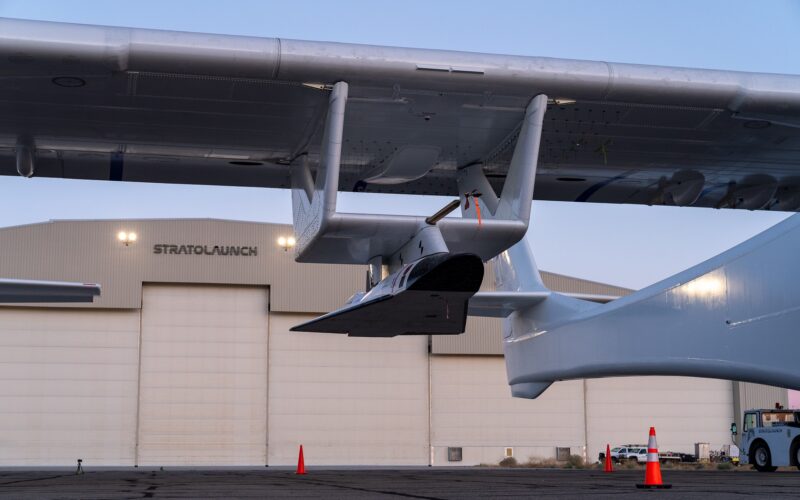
(542, 463)
(574, 462)
(577, 462)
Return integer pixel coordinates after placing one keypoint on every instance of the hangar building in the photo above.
(187, 359)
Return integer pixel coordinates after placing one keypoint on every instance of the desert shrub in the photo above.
(508, 462)
(575, 461)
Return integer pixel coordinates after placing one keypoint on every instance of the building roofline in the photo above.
(146, 219)
(238, 221)
(600, 283)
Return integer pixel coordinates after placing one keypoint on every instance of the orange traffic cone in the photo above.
(652, 475)
(301, 463)
(608, 467)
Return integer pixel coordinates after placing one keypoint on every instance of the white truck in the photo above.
(627, 452)
(771, 439)
(638, 453)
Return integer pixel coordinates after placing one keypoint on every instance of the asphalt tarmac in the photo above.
(390, 483)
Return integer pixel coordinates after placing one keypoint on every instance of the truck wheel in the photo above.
(797, 455)
(762, 459)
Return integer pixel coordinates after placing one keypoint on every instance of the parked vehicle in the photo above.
(770, 439)
(628, 452)
(620, 453)
(638, 453)
(669, 456)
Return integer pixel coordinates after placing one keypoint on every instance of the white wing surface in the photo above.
(144, 105)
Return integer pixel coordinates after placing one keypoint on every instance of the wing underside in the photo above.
(29, 291)
(409, 313)
(141, 105)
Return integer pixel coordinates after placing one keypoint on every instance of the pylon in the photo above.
(652, 475)
(608, 467)
(301, 463)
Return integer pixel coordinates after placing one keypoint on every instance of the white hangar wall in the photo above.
(188, 360)
(683, 410)
(68, 386)
(225, 398)
(472, 409)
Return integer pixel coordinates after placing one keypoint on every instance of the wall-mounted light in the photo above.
(286, 242)
(127, 237)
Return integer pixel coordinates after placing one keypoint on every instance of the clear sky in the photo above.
(626, 245)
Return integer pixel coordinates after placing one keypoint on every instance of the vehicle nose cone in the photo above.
(450, 273)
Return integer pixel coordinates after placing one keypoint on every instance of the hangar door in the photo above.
(203, 394)
(347, 400)
(68, 386)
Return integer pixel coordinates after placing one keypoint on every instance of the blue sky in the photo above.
(625, 245)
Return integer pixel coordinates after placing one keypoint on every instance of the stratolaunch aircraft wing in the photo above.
(120, 104)
(30, 291)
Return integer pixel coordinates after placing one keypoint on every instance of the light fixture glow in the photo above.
(286, 242)
(127, 237)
